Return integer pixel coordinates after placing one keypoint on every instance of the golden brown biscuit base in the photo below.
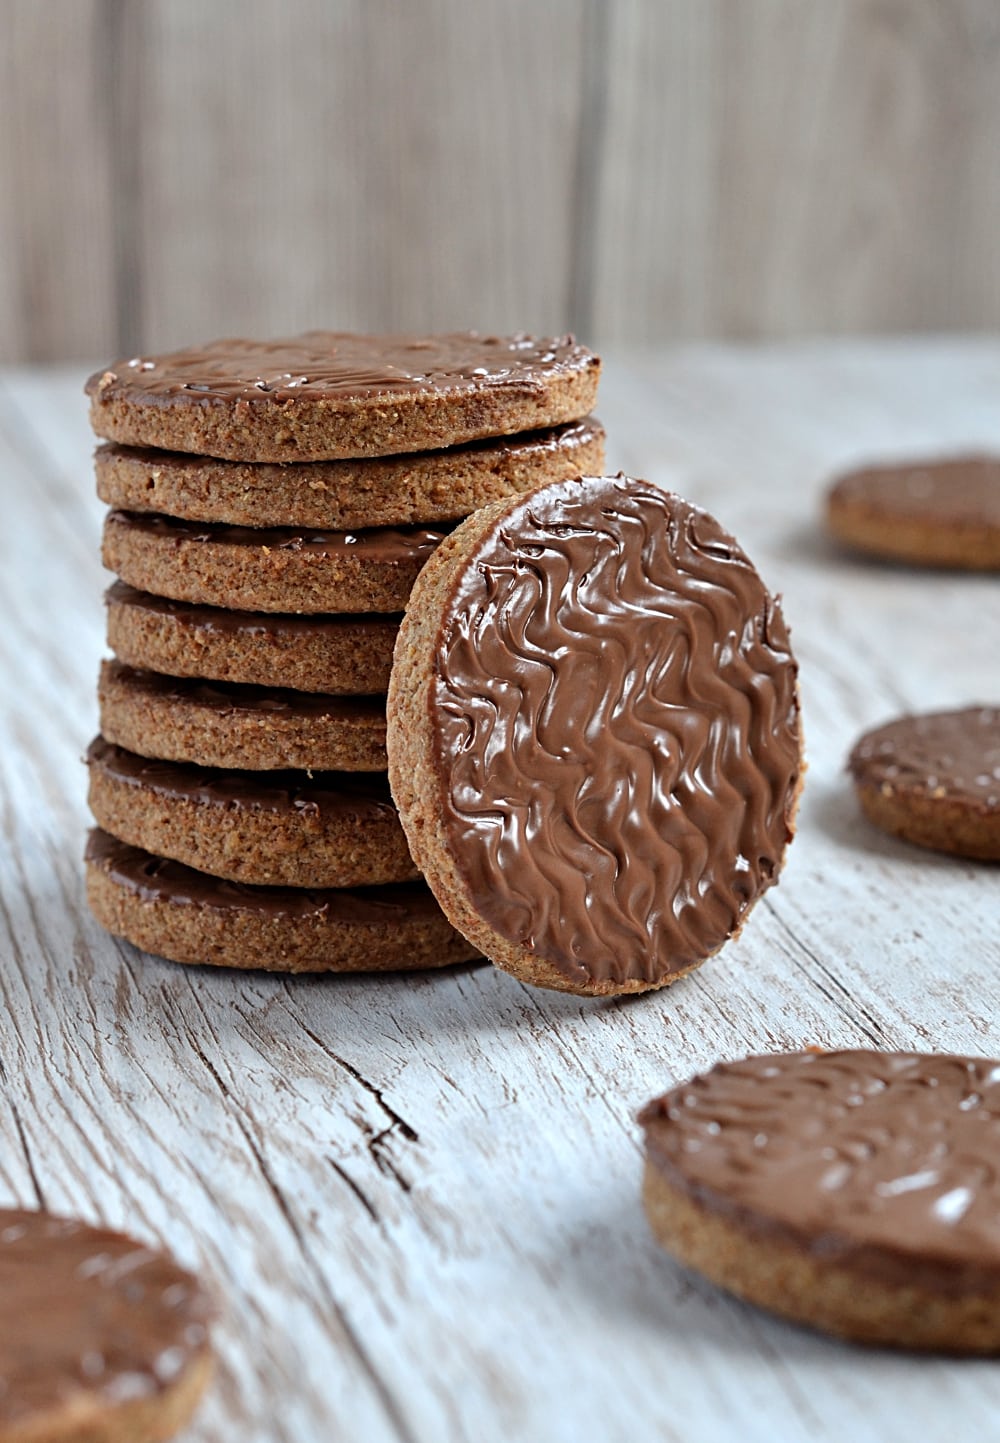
(942, 823)
(776, 1275)
(218, 725)
(206, 402)
(917, 543)
(339, 495)
(418, 784)
(340, 655)
(940, 512)
(209, 930)
(933, 778)
(266, 829)
(258, 572)
(83, 1419)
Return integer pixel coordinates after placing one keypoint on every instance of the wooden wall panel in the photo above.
(360, 165)
(57, 253)
(799, 168)
(634, 169)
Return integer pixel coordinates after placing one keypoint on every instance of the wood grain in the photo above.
(803, 168)
(419, 1197)
(638, 171)
(57, 253)
(367, 166)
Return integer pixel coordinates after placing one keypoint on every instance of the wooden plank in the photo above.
(357, 165)
(639, 171)
(57, 297)
(419, 1195)
(779, 169)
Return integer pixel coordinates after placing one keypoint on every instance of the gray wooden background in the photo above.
(636, 170)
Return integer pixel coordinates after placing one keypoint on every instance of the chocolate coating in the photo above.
(339, 366)
(89, 1313)
(380, 544)
(281, 569)
(931, 512)
(220, 620)
(357, 794)
(325, 395)
(418, 488)
(961, 490)
(155, 879)
(953, 755)
(231, 698)
(882, 1162)
(616, 721)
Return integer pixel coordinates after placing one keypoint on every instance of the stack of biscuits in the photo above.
(272, 506)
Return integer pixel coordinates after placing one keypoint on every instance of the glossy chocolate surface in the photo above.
(339, 366)
(953, 755)
(527, 444)
(885, 1162)
(361, 795)
(89, 1313)
(228, 698)
(616, 721)
(382, 544)
(960, 490)
(220, 620)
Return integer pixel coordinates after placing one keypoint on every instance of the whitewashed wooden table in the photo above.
(418, 1197)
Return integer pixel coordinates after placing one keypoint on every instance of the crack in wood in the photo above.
(383, 1160)
(357, 1190)
(379, 1386)
(395, 1119)
(553, 1024)
(32, 1171)
(391, 1408)
(842, 997)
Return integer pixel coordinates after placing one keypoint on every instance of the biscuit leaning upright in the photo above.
(263, 563)
(593, 734)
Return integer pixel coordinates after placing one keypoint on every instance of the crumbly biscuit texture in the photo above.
(333, 829)
(216, 724)
(851, 1191)
(934, 779)
(343, 655)
(585, 682)
(259, 569)
(935, 512)
(329, 395)
(341, 495)
(188, 916)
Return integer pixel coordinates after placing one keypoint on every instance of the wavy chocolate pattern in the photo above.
(616, 714)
